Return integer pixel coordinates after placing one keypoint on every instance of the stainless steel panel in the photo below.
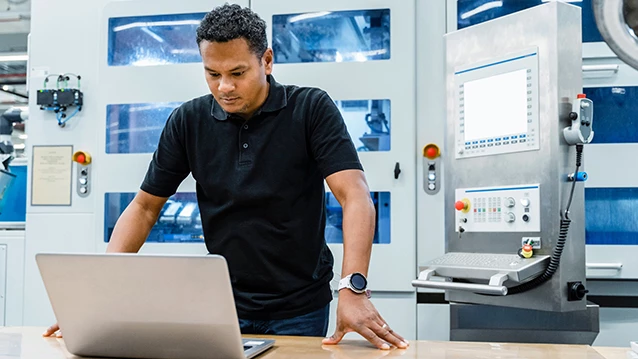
(558, 40)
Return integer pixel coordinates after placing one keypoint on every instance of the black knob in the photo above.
(573, 116)
(576, 291)
(397, 170)
(525, 218)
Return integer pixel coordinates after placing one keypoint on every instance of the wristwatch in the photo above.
(356, 282)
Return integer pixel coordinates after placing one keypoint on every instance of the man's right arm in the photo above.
(135, 223)
(168, 168)
(130, 231)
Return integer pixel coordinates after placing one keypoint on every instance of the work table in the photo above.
(28, 343)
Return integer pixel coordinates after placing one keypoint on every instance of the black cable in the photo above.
(13, 92)
(554, 260)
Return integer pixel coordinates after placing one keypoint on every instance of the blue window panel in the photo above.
(332, 36)
(472, 12)
(13, 206)
(368, 123)
(153, 40)
(614, 108)
(610, 216)
(136, 128)
(334, 218)
(179, 220)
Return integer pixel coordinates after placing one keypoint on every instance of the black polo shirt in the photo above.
(261, 192)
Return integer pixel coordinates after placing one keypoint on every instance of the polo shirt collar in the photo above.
(275, 101)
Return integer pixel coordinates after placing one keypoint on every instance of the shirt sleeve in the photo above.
(330, 142)
(169, 166)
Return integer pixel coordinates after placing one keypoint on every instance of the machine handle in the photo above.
(615, 266)
(592, 68)
(397, 170)
(468, 287)
(600, 70)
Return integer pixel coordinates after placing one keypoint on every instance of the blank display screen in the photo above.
(496, 106)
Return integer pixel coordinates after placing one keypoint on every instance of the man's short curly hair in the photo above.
(230, 22)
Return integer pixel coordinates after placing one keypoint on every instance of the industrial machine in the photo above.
(513, 166)
(617, 21)
(7, 119)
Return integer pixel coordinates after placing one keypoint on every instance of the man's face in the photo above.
(235, 76)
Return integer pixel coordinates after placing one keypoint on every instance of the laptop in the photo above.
(146, 306)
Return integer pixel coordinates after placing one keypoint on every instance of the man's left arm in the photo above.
(337, 159)
(355, 312)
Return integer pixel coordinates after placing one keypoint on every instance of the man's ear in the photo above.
(267, 61)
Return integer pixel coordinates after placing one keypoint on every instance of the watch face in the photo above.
(358, 281)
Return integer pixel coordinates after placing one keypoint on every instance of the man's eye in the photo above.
(238, 73)
(213, 75)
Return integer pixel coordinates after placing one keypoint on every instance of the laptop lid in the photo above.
(144, 306)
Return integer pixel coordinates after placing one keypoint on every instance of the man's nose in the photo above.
(226, 86)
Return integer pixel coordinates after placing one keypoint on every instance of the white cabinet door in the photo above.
(141, 45)
(362, 52)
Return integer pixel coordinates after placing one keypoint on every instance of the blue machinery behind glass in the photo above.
(379, 137)
(7, 119)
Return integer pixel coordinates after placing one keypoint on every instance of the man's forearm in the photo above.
(131, 230)
(358, 232)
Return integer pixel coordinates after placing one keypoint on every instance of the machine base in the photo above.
(483, 323)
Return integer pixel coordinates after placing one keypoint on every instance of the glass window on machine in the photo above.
(136, 128)
(472, 12)
(368, 122)
(332, 36)
(13, 204)
(179, 220)
(334, 218)
(610, 216)
(614, 108)
(153, 40)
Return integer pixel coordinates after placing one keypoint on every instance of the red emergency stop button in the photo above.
(462, 205)
(581, 95)
(431, 151)
(82, 157)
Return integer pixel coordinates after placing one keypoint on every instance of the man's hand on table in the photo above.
(52, 330)
(355, 313)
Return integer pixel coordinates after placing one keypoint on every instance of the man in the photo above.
(259, 152)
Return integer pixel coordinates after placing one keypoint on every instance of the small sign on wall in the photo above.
(51, 175)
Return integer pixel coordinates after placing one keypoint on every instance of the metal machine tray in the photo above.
(485, 265)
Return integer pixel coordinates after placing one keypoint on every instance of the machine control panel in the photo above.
(498, 209)
(83, 173)
(497, 105)
(431, 169)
